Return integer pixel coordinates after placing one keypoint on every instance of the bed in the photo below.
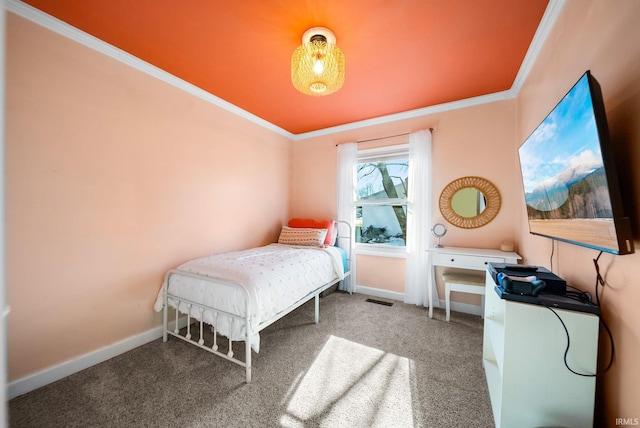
(238, 294)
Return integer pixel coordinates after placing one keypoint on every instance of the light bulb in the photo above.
(318, 67)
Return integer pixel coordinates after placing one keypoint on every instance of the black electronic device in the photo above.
(553, 283)
(527, 286)
(523, 268)
(555, 301)
(543, 298)
(569, 175)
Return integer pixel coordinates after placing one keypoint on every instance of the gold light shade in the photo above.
(317, 66)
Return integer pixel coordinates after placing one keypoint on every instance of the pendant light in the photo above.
(317, 66)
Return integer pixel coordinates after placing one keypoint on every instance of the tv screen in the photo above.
(568, 172)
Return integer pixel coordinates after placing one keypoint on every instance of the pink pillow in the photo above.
(310, 223)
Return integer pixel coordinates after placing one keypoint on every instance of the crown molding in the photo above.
(54, 24)
(410, 114)
(546, 24)
(540, 37)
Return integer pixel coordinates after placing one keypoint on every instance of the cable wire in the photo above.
(566, 351)
(584, 297)
(599, 278)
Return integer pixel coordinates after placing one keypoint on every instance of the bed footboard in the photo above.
(197, 339)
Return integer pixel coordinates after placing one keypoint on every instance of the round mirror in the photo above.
(438, 231)
(470, 202)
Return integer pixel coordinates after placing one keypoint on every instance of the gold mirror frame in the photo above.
(492, 198)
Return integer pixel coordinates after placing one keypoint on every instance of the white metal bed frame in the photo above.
(249, 331)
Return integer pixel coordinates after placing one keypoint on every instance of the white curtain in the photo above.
(419, 220)
(347, 160)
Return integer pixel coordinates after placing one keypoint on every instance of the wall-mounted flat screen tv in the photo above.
(569, 175)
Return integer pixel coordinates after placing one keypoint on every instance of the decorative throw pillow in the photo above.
(311, 223)
(302, 236)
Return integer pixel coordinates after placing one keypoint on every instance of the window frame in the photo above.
(382, 154)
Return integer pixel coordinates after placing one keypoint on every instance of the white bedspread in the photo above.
(275, 276)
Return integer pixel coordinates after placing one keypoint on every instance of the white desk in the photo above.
(463, 258)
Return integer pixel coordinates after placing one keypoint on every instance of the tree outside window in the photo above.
(381, 208)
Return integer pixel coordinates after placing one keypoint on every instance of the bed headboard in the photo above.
(344, 239)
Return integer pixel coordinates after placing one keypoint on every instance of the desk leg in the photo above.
(430, 283)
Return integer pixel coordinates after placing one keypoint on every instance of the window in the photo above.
(382, 188)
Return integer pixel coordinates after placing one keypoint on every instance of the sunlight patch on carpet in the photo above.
(352, 385)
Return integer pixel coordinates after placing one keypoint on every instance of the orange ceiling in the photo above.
(400, 54)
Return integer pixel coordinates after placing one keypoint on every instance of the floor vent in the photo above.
(379, 302)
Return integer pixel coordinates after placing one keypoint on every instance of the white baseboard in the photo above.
(377, 292)
(74, 365)
(393, 295)
(463, 307)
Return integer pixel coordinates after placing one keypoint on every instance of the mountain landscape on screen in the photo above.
(579, 192)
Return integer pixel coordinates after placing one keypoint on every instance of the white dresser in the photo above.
(523, 359)
(463, 258)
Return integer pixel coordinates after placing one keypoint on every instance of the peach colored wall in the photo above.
(602, 36)
(383, 273)
(112, 178)
(4, 420)
(476, 141)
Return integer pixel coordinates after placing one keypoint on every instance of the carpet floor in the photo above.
(363, 365)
